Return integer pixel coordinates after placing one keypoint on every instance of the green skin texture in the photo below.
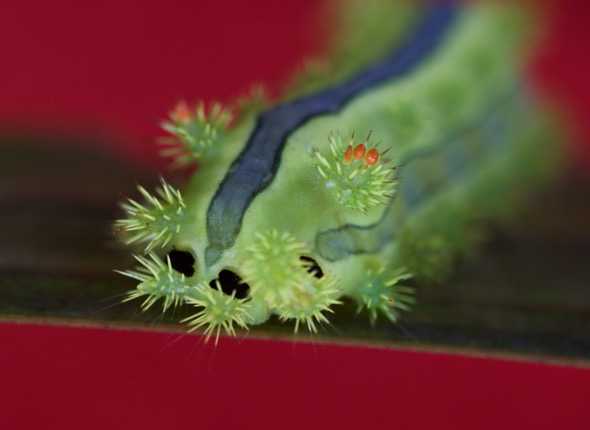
(450, 94)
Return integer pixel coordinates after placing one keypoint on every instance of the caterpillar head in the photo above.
(287, 249)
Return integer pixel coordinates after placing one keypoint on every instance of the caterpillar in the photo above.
(366, 176)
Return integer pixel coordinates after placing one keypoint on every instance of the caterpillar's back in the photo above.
(302, 204)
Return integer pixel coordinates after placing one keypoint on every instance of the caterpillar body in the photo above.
(302, 205)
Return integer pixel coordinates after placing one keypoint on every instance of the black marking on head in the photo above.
(183, 262)
(231, 282)
(312, 266)
(256, 166)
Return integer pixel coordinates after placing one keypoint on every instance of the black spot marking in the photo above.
(312, 266)
(183, 262)
(230, 282)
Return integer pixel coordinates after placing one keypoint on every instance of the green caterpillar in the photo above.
(297, 206)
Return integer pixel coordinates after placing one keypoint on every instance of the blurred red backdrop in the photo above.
(117, 67)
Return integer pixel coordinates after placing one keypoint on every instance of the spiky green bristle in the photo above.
(255, 101)
(273, 268)
(197, 131)
(157, 281)
(156, 221)
(219, 310)
(311, 300)
(354, 182)
(380, 292)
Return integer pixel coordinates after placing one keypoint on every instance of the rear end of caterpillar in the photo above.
(350, 188)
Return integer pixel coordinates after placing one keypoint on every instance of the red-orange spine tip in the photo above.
(347, 157)
(372, 157)
(181, 112)
(359, 151)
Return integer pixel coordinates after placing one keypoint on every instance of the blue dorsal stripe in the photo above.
(256, 166)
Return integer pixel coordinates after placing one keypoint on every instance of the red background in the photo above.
(117, 67)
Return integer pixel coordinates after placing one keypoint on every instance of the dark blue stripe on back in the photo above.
(256, 166)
